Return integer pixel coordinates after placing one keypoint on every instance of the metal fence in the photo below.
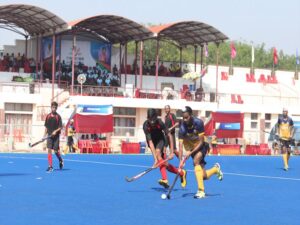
(16, 138)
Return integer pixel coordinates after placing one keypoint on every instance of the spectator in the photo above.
(186, 69)
(115, 70)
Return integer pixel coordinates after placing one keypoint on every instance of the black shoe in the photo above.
(61, 164)
(49, 169)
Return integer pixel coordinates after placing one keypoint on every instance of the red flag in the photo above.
(203, 71)
(275, 57)
(233, 50)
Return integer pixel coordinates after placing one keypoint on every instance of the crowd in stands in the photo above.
(93, 137)
(174, 70)
(12, 63)
(95, 76)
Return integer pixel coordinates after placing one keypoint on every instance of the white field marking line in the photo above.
(260, 176)
(141, 166)
(80, 161)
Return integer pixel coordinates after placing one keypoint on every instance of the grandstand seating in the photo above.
(105, 146)
(264, 149)
(85, 146)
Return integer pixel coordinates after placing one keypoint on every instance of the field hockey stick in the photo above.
(267, 132)
(130, 179)
(40, 141)
(176, 178)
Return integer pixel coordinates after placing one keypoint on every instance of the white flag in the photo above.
(252, 58)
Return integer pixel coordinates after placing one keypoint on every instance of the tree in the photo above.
(169, 52)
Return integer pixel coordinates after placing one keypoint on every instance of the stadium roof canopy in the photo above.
(188, 33)
(114, 29)
(33, 20)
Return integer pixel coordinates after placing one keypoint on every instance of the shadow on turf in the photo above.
(282, 169)
(61, 169)
(192, 195)
(159, 189)
(12, 174)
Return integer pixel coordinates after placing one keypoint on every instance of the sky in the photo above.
(274, 23)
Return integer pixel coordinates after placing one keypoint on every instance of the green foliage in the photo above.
(263, 57)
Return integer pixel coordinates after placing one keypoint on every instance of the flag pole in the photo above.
(230, 65)
(297, 62)
(252, 59)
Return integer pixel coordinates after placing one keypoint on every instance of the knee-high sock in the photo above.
(75, 147)
(58, 156)
(211, 172)
(285, 159)
(173, 169)
(163, 170)
(66, 149)
(199, 177)
(50, 159)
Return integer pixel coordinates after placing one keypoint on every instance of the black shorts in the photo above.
(159, 145)
(53, 143)
(204, 149)
(70, 141)
(285, 143)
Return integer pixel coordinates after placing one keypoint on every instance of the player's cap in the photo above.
(187, 109)
(151, 113)
(284, 110)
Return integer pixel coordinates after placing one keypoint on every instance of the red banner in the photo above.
(225, 117)
(275, 56)
(233, 50)
(93, 124)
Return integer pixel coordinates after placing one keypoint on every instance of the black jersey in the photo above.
(155, 132)
(53, 122)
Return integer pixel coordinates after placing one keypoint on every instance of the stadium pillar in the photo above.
(53, 63)
(135, 64)
(195, 57)
(60, 66)
(120, 64)
(41, 60)
(201, 64)
(156, 66)
(141, 65)
(201, 57)
(125, 67)
(26, 45)
(217, 76)
(37, 56)
(180, 58)
(73, 63)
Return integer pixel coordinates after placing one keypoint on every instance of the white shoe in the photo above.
(199, 194)
(219, 173)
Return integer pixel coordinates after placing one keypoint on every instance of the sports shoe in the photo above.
(286, 168)
(183, 179)
(164, 183)
(199, 194)
(219, 173)
(49, 169)
(61, 164)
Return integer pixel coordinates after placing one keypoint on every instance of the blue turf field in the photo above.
(92, 190)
